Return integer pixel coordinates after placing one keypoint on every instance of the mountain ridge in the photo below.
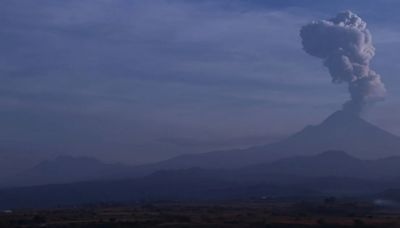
(340, 131)
(197, 184)
(66, 169)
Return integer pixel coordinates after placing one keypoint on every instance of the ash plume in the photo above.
(345, 45)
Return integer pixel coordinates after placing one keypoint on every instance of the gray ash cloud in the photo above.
(345, 45)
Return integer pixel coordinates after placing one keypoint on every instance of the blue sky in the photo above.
(140, 81)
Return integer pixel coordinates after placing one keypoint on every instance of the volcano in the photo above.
(342, 131)
(348, 132)
(342, 146)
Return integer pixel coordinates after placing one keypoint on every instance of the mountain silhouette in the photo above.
(347, 131)
(326, 164)
(343, 131)
(331, 173)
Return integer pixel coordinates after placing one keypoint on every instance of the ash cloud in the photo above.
(345, 45)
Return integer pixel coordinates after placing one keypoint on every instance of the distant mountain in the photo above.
(348, 132)
(340, 131)
(13, 161)
(332, 173)
(183, 185)
(327, 164)
(65, 169)
(389, 197)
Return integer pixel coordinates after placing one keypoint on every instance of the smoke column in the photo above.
(345, 45)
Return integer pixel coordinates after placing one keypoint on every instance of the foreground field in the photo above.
(328, 213)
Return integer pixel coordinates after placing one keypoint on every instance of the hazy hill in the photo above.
(335, 164)
(331, 173)
(65, 169)
(340, 131)
(161, 186)
(13, 161)
(326, 164)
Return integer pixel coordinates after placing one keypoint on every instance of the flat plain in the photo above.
(325, 213)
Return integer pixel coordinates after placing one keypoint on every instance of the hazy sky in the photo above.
(139, 81)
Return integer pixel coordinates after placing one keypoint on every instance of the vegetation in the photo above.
(232, 214)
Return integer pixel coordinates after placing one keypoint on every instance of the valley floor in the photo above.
(327, 213)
